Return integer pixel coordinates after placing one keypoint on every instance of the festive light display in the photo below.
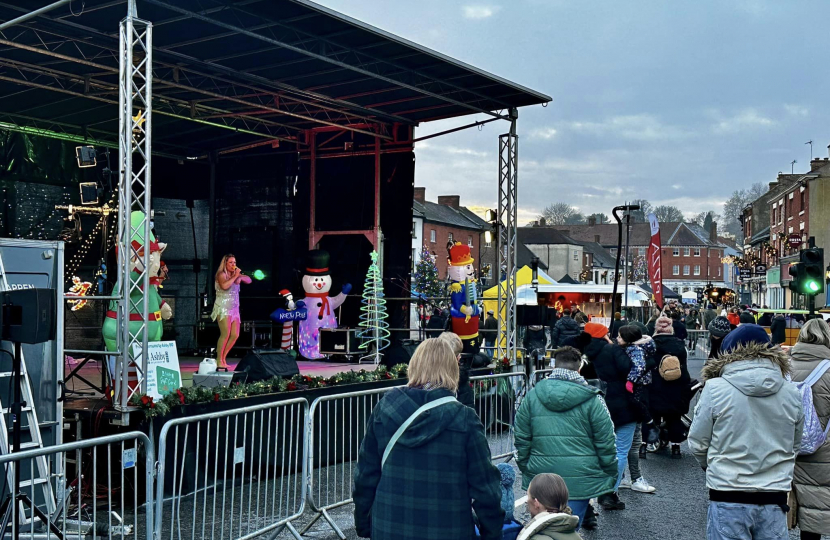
(79, 288)
(375, 333)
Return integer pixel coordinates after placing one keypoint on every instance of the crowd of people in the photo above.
(424, 469)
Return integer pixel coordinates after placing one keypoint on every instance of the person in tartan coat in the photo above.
(439, 470)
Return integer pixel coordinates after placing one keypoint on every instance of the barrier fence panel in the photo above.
(698, 344)
(497, 398)
(337, 427)
(538, 375)
(102, 492)
(233, 474)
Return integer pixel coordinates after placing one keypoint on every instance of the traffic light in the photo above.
(808, 276)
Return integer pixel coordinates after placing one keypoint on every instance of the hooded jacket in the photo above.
(563, 427)
(669, 397)
(437, 469)
(550, 526)
(612, 366)
(812, 475)
(748, 422)
(778, 329)
(563, 329)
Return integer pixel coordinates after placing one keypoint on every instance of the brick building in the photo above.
(436, 224)
(692, 258)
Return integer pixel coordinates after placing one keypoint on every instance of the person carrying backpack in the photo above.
(812, 475)
(669, 390)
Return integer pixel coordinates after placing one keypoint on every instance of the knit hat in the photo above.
(596, 330)
(663, 325)
(720, 327)
(744, 335)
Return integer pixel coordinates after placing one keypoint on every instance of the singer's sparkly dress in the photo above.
(227, 303)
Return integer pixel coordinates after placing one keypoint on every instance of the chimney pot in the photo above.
(592, 220)
(421, 194)
(453, 201)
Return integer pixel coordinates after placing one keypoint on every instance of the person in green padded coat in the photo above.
(157, 310)
(563, 427)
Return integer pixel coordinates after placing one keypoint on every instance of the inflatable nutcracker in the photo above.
(286, 314)
(158, 309)
(463, 297)
(320, 306)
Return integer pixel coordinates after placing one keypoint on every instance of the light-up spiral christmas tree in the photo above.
(375, 329)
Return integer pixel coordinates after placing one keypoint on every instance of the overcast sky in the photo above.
(677, 102)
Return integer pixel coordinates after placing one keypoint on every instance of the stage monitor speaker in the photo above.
(28, 315)
(264, 364)
(400, 352)
(218, 379)
(337, 341)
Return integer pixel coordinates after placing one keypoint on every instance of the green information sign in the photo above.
(168, 380)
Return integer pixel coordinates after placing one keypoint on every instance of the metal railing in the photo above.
(698, 343)
(97, 496)
(233, 474)
(497, 399)
(336, 429)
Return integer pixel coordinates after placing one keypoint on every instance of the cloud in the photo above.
(543, 133)
(796, 110)
(676, 186)
(638, 127)
(747, 119)
(450, 149)
(477, 11)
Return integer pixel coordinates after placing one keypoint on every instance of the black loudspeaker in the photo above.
(264, 364)
(28, 315)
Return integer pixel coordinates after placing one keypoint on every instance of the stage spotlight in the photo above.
(259, 275)
(89, 193)
(86, 156)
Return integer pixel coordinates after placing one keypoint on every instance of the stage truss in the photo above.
(507, 338)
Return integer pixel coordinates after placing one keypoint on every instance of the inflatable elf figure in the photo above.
(463, 297)
(157, 309)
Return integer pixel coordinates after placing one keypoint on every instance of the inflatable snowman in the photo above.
(464, 311)
(319, 305)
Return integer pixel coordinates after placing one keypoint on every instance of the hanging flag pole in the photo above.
(655, 261)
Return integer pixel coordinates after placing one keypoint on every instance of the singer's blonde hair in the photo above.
(223, 263)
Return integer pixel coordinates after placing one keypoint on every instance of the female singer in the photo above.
(226, 307)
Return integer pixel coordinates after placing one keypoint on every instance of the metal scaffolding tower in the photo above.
(506, 243)
(134, 140)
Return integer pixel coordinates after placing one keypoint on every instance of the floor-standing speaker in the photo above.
(264, 364)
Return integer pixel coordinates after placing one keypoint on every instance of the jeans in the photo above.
(634, 454)
(624, 438)
(489, 348)
(578, 508)
(728, 521)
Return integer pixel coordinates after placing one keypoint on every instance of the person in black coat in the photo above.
(678, 325)
(778, 329)
(436, 323)
(564, 328)
(765, 319)
(612, 366)
(669, 400)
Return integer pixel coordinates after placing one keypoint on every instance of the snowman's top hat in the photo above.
(317, 262)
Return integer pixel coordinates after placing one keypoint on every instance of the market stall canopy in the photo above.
(667, 293)
(233, 74)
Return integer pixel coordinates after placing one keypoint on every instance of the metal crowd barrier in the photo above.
(538, 375)
(497, 399)
(96, 496)
(337, 426)
(698, 344)
(233, 474)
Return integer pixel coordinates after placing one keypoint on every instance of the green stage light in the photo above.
(259, 275)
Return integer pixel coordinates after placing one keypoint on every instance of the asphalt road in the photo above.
(677, 510)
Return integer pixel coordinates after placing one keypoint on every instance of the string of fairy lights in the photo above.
(78, 257)
(27, 214)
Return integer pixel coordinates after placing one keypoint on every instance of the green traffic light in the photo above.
(812, 286)
(259, 275)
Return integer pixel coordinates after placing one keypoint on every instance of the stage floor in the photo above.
(190, 365)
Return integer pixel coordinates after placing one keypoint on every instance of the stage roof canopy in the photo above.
(232, 74)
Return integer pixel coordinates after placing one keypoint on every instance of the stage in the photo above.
(81, 396)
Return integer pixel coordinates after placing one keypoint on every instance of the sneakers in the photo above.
(642, 485)
(626, 482)
(675, 451)
(611, 501)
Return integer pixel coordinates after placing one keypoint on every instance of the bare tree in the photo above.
(600, 217)
(558, 213)
(640, 215)
(734, 206)
(667, 214)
